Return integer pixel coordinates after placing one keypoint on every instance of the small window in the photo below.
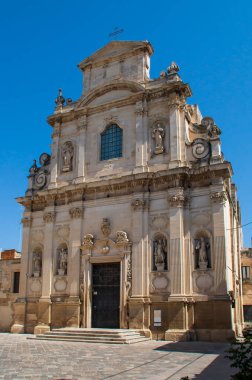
(16, 282)
(245, 273)
(111, 142)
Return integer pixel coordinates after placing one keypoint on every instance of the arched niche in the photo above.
(159, 252)
(62, 259)
(37, 253)
(202, 249)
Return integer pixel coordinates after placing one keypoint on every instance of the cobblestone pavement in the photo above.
(22, 358)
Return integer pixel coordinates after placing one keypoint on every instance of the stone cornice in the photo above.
(126, 185)
(180, 91)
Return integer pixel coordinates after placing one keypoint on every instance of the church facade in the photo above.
(131, 222)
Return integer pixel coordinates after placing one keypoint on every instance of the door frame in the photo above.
(92, 292)
(88, 260)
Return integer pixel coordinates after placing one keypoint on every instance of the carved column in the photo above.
(139, 301)
(76, 214)
(140, 136)
(177, 200)
(176, 136)
(44, 307)
(82, 127)
(86, 249)
(20, 305)
(218, 253)
(55, 154)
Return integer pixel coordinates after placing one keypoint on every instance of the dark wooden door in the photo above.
(106, 295)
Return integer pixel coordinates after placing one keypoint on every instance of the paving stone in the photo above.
(22, 359)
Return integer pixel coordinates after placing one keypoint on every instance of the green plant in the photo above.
(240, 354)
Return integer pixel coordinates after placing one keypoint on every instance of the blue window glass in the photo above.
(111, 142)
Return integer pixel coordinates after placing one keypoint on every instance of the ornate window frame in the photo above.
(116, 134)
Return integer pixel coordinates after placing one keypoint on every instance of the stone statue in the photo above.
(62, 261)
(201, 248)
(67, 157)
(158, 135)
(36, 264)
(159, 248)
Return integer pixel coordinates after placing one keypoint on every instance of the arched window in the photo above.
(111, 142)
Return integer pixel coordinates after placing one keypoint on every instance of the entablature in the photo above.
(184, 177)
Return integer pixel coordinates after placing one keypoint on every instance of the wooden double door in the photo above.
(106, 295)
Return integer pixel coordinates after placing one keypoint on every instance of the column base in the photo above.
(215, 335)
(17, 328)
(41, 329)
(180, 335)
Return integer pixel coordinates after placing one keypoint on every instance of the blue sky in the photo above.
(43, 41)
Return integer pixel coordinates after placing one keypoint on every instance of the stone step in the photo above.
(102, 341)
(116, 336)
(84, 337)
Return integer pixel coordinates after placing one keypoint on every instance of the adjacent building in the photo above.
(246, 267)
(9, 286)
(132, 220)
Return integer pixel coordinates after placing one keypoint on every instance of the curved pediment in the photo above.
(110, 92)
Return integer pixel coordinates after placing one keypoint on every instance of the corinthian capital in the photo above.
(26, 222)
(76, 212)
(49, 217)
(178, 199)
(139, 204)
(218, 197)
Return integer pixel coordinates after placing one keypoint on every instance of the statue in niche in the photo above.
(158, 136)
(202, 247)
(67, 157)
(160, 253)
(36, 263)
(62, 270)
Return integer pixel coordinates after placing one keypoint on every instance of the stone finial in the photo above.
(173, 68)
(60, 100)
(163, 74)
(34, 168)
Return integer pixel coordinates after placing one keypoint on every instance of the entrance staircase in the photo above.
(93, 335)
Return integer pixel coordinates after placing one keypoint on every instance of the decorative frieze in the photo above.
(76, 212)
(218, 197)
(27, 222)
(139, 204)
(49, 217)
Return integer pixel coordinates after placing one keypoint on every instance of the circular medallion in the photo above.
(60, 285)
(35, 286)
(160, 282)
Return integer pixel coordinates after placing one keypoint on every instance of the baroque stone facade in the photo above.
(135, 197)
